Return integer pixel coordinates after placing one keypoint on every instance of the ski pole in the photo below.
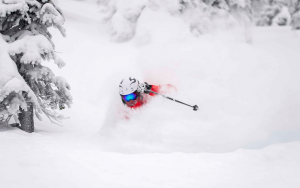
(195, 108)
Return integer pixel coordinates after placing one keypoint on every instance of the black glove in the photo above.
(148, 87)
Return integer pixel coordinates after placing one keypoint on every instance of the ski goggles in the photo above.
(131, 96)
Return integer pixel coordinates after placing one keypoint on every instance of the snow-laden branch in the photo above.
(11, 82)
(7, 7)
(50, 15)
(58, 61)
(41, 73)
(23, 80)
(17, 86)
(34, 3)
(64, 87)
(32, 48)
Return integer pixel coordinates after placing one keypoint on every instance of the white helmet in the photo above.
(128, 85)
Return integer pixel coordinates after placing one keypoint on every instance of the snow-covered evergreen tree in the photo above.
(295, 12)
(26, 86)
(277, 12)
(122, 15)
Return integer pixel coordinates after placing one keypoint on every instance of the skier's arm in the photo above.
(163, 89)
(146, 88)
(155, 88)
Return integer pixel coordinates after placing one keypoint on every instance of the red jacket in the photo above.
(143, 100)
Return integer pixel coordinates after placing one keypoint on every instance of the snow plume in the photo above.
(244, 93)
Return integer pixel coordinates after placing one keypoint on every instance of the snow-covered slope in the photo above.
(51, 159)
(245, 93)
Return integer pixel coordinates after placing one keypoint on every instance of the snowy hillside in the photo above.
(248, 97)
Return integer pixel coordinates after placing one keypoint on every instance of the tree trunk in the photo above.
(26, 118)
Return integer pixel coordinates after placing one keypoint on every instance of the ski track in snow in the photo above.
(244, 93)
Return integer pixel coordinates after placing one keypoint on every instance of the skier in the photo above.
(133, 93)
